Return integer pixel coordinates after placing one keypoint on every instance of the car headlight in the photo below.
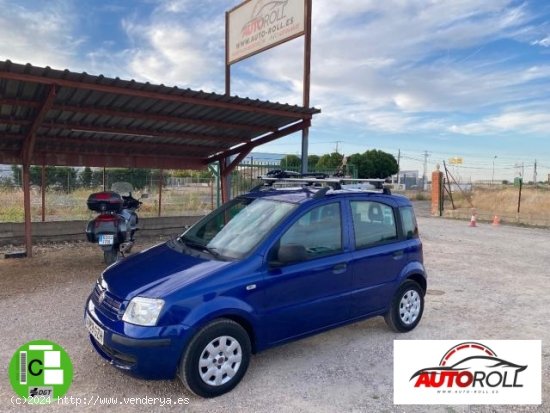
(143, 311)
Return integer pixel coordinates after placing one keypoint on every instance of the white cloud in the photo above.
(529, 121)
(407, 65)
(393, 66)
(180, 43)
(545, 42)
(42, 37)
(167, 54)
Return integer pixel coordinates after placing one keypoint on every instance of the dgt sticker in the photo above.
(41, 370)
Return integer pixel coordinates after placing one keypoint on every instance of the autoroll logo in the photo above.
(265, 13)
(470, 365)
(468, 372)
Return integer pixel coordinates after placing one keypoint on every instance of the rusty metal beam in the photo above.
(30, 138)
(21, 102)
(235, 162)
(43, 192)
(180, 120)
(121, 153)
(149, 146)
(27, 208)
(148, 94)
(76, 127)
(10, 121)
(177, 120)
(262, 140)
(44, 140)
(160, 192)
(224, 181)
(117, 161)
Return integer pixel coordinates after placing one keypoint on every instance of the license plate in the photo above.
(106, 239)
(95, 330)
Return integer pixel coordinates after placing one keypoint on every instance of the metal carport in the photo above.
(59, 117)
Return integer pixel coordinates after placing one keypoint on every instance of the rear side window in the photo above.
(373, 223)
(408, 220)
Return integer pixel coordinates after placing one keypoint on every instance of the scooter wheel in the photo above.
(110, 256)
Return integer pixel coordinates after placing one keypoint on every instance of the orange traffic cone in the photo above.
(496, 221)
(473, 221)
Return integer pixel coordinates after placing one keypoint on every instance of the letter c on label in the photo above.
(31, 367)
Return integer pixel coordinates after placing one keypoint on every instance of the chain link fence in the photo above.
(167, 193)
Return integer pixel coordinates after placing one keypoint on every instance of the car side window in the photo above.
(408, 220)
(373, 223)
(317, 233)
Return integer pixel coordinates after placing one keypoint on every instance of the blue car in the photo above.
(266, 268)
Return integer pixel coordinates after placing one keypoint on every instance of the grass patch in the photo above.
(61, 206)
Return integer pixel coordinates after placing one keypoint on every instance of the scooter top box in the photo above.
(105, 202)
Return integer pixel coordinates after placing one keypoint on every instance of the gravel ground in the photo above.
(484, 283)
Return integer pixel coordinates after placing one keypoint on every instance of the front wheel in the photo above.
(110, 255)
(216, 359)
(406, 307)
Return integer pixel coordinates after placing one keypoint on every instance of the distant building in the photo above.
(6, 171)
(264, 157)
(409, 178)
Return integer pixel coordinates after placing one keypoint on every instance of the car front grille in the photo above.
(107, 303)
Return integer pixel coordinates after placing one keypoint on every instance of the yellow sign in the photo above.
(456, 160)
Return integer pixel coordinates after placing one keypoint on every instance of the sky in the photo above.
(455, 78)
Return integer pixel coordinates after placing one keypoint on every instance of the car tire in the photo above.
(406, 307)
(216, 358)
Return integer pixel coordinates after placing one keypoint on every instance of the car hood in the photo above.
(156, 272)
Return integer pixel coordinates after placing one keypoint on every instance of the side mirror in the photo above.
(288, 254)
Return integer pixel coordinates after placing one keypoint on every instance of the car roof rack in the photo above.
(325, 182)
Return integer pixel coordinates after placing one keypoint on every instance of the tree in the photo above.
(374, 164)
(56, 176)
(312, 161)
(138, 177)
(291, 161)
(330, 162)
(86, 177)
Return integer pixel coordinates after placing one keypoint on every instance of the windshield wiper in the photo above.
(198, 246)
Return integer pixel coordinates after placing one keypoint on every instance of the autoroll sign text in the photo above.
(257, 25)
(467, 372)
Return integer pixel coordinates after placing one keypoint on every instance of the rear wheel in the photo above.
(110, 255)
(216, 359)
(406, 307)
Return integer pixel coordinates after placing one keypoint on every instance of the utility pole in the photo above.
(398, 166)
(535, 174)
(337, 142)
(425, 174)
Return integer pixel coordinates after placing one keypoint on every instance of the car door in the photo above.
(379, 255)
(308, 283)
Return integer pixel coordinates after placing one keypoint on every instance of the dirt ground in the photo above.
(484, 283)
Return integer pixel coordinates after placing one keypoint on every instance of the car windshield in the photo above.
(234, 229)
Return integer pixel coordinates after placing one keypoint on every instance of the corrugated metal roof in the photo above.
(100, 121)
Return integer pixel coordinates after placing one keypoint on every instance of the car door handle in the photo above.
(397, 255)
(340, 268)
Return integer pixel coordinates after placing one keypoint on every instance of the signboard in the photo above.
(258, 25)
(456, 160)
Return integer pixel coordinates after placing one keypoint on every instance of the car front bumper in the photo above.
(145, 352)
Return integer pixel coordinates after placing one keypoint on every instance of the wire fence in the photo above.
(192, 193)
(247, 175)
(515, 203)
(167, 193)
